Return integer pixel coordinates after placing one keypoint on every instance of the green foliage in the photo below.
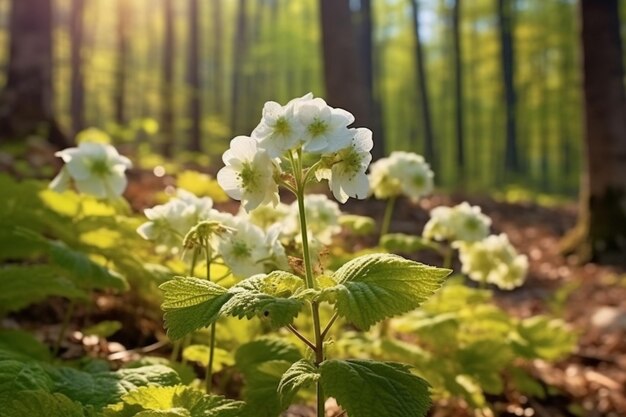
(301, 374)
(191, 303)
(403, 243)
(21, 346)
(41, 403)
(374, 389)
(18, 376)
(543, 337)
(373, 287)
(262, 363)
(200, 354)
(359, 225)
(174, 401)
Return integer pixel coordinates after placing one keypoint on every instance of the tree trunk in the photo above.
(345, 84)
(26, 103)
(119, 97)
(458, 88)
(167, 81)
(505, 21)
(420, 67)
(218, 72)
(239, 53)
(77, 87)
(601, 231)
(193, 78)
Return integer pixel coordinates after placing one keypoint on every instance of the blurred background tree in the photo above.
(490, 91)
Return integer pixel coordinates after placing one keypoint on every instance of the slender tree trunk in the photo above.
(167, 81)
(601, 230)
(420, 67)
(505, 20)
(458, 88)
(193, 77)
(121, 73)
(77, 94)
(345, 84)
(218, 69)
(26, 103)
(239, 53)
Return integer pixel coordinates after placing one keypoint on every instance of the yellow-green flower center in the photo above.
(318, 127)
(282, 127)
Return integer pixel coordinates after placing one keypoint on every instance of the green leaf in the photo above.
(266, 296)
(374, 287)
(101, 388)
(22, 346)
(22, 285)
(543, 337)
(21, 376)
(41, 403)
(301, 374)
(191, 303)
(103, 329)
(176, 401)
(400, 242)
(200, 354)
(359, 225)
(86, 272)
(375, 389)
(262, 364)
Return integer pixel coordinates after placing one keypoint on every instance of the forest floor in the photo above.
(592, 298)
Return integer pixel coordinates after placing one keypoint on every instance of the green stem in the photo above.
(66, 321)
(175, 351)
(447, 257)
(321, 403)
(208, 378)
(387, 218)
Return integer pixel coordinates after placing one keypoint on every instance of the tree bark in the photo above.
(601, 231)
(193, 78)
(218, 72)
(239, 53)
(167, 81)
(458, 88)
(345, 84)
(77, 86)
(505, 21)
(119, 95)
(420, 67)
(26, 103)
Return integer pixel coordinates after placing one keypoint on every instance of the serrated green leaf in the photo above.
(22, 285)
(191, 303)
(22, 346)
(374, 287)
(18, 376)
(262, 363)
(266, 296)
(300, 375)
(543, 337)
(41, 403)
(375, 389)
(99, 389)
(173, 401)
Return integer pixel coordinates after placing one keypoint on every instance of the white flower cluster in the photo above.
(253, 164)
(461, 222)
(493, 260)
(94, 168)
(401, 173)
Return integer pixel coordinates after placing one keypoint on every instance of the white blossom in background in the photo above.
(94, 168)
(325, 128)
(169, 223)
(402, 173)
(462, 222)
(249, 174)
(280, 130)
(493, 260)
(346, 175)
(247, 250)
(267, 215)
(322, 217)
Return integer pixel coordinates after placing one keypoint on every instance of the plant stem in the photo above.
(387, 218)
(208, 378)
(301, 337)
(329, 325)
(66, 321)
(321, 403)
(447, 257)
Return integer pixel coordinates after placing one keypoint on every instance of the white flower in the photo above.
(169, 223)
(96, 169)
(401, 173)
(247, 250)
(325, 128)
(493, 260)
(462, 222)
(266, 216)
(249, 174)
(346, 177)
(279, 129)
